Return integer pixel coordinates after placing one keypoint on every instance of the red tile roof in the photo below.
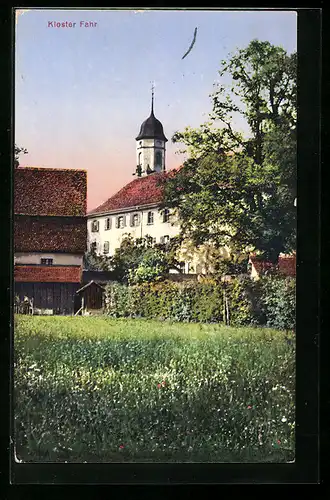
(286, 265)
(261, 266)
(141, 191)
(50, 191)
(50, 234)
(48, 274)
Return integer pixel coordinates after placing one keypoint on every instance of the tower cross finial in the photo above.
(152, 96)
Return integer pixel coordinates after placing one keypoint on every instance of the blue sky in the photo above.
(82, 93)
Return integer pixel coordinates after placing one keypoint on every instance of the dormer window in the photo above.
(150, 219)
(95, 226)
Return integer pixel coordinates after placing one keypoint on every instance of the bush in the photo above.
(278, 302)
(269, 301)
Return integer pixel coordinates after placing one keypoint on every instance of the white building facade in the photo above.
(106, 231)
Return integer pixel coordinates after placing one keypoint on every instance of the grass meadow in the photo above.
(97, 389)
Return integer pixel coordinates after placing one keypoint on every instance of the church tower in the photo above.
(150, 145)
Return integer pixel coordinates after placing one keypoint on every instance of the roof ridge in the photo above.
(56, 169)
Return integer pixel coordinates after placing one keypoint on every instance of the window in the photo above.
(106, 247)
(158, 158)
(107, 225)
(47, 262)
(164, 239)
(166, 215)
(135, 220)
(95, 226)
(150, 218)
(121, 222)
(190, 268)
(140, 155)
(93, 246)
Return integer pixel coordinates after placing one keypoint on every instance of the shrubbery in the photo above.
(241, 301)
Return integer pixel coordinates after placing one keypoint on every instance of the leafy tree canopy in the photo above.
(238, 189)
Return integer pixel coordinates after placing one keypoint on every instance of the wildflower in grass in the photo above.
(159, 386)
(278, 441)
(249, 407)
(121, 447)
(284, 419)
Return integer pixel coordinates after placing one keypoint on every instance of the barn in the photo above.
(49, 237)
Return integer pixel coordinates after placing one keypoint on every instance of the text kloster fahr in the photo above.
(69, 24)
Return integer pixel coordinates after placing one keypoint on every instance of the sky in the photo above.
(82, 93)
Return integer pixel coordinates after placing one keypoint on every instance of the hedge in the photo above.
(269, 301)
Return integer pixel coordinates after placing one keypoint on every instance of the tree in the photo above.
(134, 259)
(17, 152)
(94, 262)
(152, 267)
(239, 189)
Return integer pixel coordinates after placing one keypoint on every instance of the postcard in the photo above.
(155, 206)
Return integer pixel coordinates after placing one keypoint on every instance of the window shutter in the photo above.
(117, 222)
(124, 220)
(97, 225)
(132, 220)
